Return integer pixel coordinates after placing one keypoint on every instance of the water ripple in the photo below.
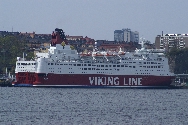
(64, 106)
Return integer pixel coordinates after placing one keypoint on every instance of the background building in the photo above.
(126, 35)
(168, 41)
(118, 35)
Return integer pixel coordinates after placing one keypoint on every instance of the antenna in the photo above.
(23, 57)
(142, 40)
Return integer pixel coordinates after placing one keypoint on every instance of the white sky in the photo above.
(96, 19)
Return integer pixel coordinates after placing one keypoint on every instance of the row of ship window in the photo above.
(115, 66)
(112, 65)
(111, 73)
(25, 67)
(82, 64)
(101, 65)
(100, 69)
(152, 66)
(107, 69)
(118, 66)
(96, 68)
(26, 63)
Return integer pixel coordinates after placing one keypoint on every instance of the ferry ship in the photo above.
(63, 66)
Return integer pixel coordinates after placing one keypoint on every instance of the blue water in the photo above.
(66, 106)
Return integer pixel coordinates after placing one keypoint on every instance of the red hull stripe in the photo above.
(95, 80)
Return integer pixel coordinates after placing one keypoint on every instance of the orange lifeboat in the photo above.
(85, 54)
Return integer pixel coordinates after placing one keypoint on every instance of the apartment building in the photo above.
(126, 35)
(168, 41)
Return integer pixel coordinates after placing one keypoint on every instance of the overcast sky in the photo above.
(96, 19)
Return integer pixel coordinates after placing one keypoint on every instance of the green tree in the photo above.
(12, 47)
(178, 58)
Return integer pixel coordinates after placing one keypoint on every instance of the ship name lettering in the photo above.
(133, 81)
(125, 84)
(104, 80)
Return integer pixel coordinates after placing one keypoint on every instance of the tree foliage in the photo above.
(180, 59)
(11, 47)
